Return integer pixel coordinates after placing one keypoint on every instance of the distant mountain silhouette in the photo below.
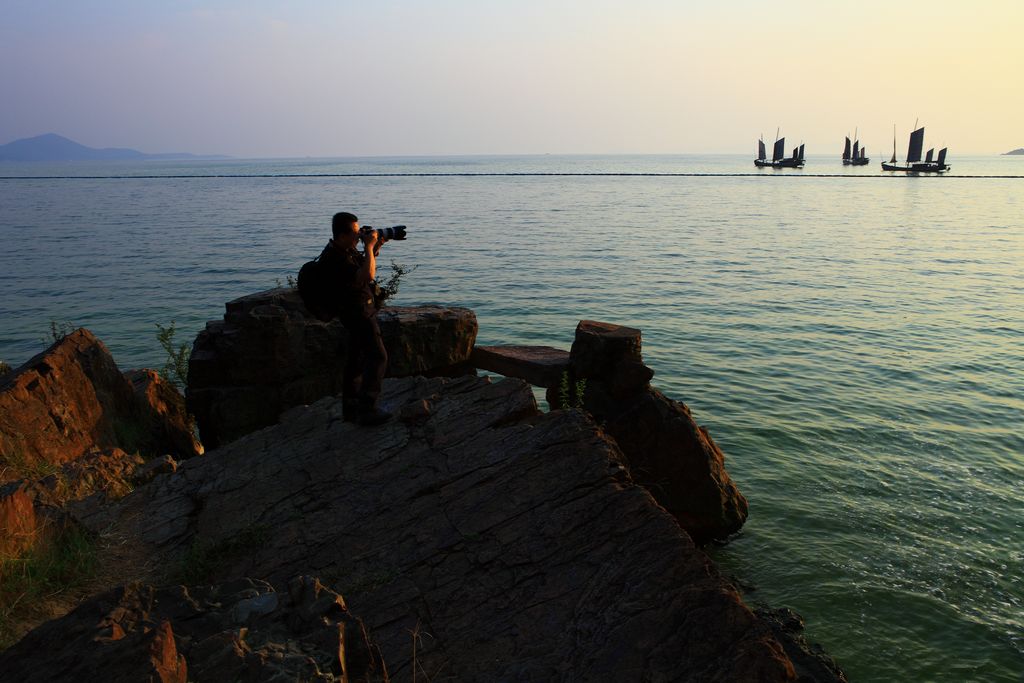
(53, 147)
(1019, 150)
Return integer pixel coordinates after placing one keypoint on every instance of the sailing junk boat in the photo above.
(856, 157)
(779, 159)
(914, 163)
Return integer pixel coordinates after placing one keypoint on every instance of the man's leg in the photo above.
(352, 377)
(375, 364)
(365, 369)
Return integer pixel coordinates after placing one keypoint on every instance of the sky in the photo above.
(250, 78)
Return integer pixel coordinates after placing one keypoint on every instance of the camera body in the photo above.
(395, 232)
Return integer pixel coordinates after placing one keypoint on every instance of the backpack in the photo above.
(314, 290)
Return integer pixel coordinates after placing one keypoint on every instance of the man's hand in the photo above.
(369, 239)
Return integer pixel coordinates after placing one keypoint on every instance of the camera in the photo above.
(395, 232)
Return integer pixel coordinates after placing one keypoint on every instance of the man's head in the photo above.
(345, 228)
(344, 224)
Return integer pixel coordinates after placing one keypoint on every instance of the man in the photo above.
(350, 275)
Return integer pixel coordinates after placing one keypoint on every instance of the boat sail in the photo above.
(857, 156)
(914, 163)
(779, 159)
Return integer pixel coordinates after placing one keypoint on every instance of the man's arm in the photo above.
(370, 249)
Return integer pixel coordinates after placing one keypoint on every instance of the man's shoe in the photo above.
(351, 410)
(374, 416)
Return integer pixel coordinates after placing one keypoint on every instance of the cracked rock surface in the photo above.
(476, 538)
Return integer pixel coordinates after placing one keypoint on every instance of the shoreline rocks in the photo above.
(474, 536)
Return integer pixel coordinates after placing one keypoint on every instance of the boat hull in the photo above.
(916, 168)
(856, 162)
(781, 163)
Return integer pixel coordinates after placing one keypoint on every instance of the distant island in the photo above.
(1019, 150)
(53, 147)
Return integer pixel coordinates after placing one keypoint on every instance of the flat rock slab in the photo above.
(476, 538)
(541, 366)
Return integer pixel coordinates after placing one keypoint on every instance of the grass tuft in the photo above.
(16, 465)
(570, 394)
(204, 559)
(55, 564)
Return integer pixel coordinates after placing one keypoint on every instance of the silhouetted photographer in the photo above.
(349, 277)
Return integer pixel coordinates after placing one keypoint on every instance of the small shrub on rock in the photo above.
(175, 369)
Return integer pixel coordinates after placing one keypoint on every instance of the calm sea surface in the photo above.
(854, 342)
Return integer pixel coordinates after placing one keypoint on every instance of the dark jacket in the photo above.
(350, 297)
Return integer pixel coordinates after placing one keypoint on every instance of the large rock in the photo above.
(427, 340)
(241, 630)
(668, 452)
(269, 354)
(71, 399)
(477, 538)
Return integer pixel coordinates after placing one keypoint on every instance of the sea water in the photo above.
(853, 341)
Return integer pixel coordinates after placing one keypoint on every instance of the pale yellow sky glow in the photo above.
(417, 77)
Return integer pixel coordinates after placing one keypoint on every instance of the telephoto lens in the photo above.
(395, 232)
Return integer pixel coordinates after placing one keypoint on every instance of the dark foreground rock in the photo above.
(269, 354)
(477, 538)
(71, 399)
(241, 630)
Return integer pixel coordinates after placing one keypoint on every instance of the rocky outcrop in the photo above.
(242, 630)
(62, 403)
(72, 399)
(476, 537)
(668, 453)
(269, 354)
(164, 419)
